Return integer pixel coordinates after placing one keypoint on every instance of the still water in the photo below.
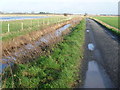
(21, 18)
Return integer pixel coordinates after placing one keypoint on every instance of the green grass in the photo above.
(28, 26)
(112, 21)
(56, 70)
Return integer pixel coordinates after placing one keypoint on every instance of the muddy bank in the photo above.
(14, 44)
(27, 50)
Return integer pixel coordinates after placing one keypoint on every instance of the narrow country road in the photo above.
(101, 52)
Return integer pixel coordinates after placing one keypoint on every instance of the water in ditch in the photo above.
(27, 48)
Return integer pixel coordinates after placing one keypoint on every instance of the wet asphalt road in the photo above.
(101, 47)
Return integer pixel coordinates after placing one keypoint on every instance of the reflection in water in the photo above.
(59, 31)
(91, 47)
(87, 30)
(29, 46)
(96, 77)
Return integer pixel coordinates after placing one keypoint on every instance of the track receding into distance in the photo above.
(101, 52)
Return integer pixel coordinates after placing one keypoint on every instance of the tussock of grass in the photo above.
(57, 70)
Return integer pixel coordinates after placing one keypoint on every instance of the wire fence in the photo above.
(20, 25)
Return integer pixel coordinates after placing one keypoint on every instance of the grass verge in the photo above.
(112, 21)
(117, 32)
(59, 69)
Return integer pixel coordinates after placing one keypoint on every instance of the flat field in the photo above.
(12, 29)
(112, 21)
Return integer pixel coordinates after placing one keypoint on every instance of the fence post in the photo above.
(43, 22)
(31, 22)
(38, 22)
(22, 25)
(48, 22)
(8, 27)
(58, 20)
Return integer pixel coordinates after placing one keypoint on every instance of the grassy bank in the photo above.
(22, 27)
(109, 22)
(59, 69)
(112, 21)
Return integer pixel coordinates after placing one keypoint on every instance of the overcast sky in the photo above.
(61, 6)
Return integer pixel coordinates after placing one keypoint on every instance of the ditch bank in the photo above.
(23, 49)
(57, 69)
(112, 29)
(14, 44)
(11, 46)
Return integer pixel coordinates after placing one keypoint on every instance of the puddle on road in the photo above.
(113, 37)
(96, 77)
(91, 46)
(88, 31)
(45, 39)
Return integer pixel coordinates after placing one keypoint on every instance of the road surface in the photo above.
(101, 52)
